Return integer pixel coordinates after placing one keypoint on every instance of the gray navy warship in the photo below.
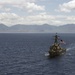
(56, 49)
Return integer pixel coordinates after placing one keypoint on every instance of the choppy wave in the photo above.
(24, 54)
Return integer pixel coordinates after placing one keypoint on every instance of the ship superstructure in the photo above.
(56, 49)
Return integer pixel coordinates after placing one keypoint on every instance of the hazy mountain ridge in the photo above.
(45, 28)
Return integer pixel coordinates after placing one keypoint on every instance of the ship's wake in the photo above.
(71, 47)
(46, 54)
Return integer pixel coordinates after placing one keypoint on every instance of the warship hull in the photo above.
(53, 54)
(56, 49)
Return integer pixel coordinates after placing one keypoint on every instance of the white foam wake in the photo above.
(71, 47)
(46, 54)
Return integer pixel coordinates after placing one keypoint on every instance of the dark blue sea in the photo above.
(26, 54)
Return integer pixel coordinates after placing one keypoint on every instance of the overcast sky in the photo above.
(31, 12)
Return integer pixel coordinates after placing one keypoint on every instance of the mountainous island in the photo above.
(45, 28)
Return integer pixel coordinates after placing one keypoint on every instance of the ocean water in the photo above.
(27, 54)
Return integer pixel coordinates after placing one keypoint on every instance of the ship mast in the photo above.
(56, 38)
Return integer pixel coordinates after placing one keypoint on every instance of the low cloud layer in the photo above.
(43, 18)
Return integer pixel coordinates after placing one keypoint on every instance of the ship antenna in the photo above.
(56, 38)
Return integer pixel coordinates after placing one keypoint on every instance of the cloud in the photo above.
(28, 5)
(10, 19)
(16, 1)
(67, 7)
